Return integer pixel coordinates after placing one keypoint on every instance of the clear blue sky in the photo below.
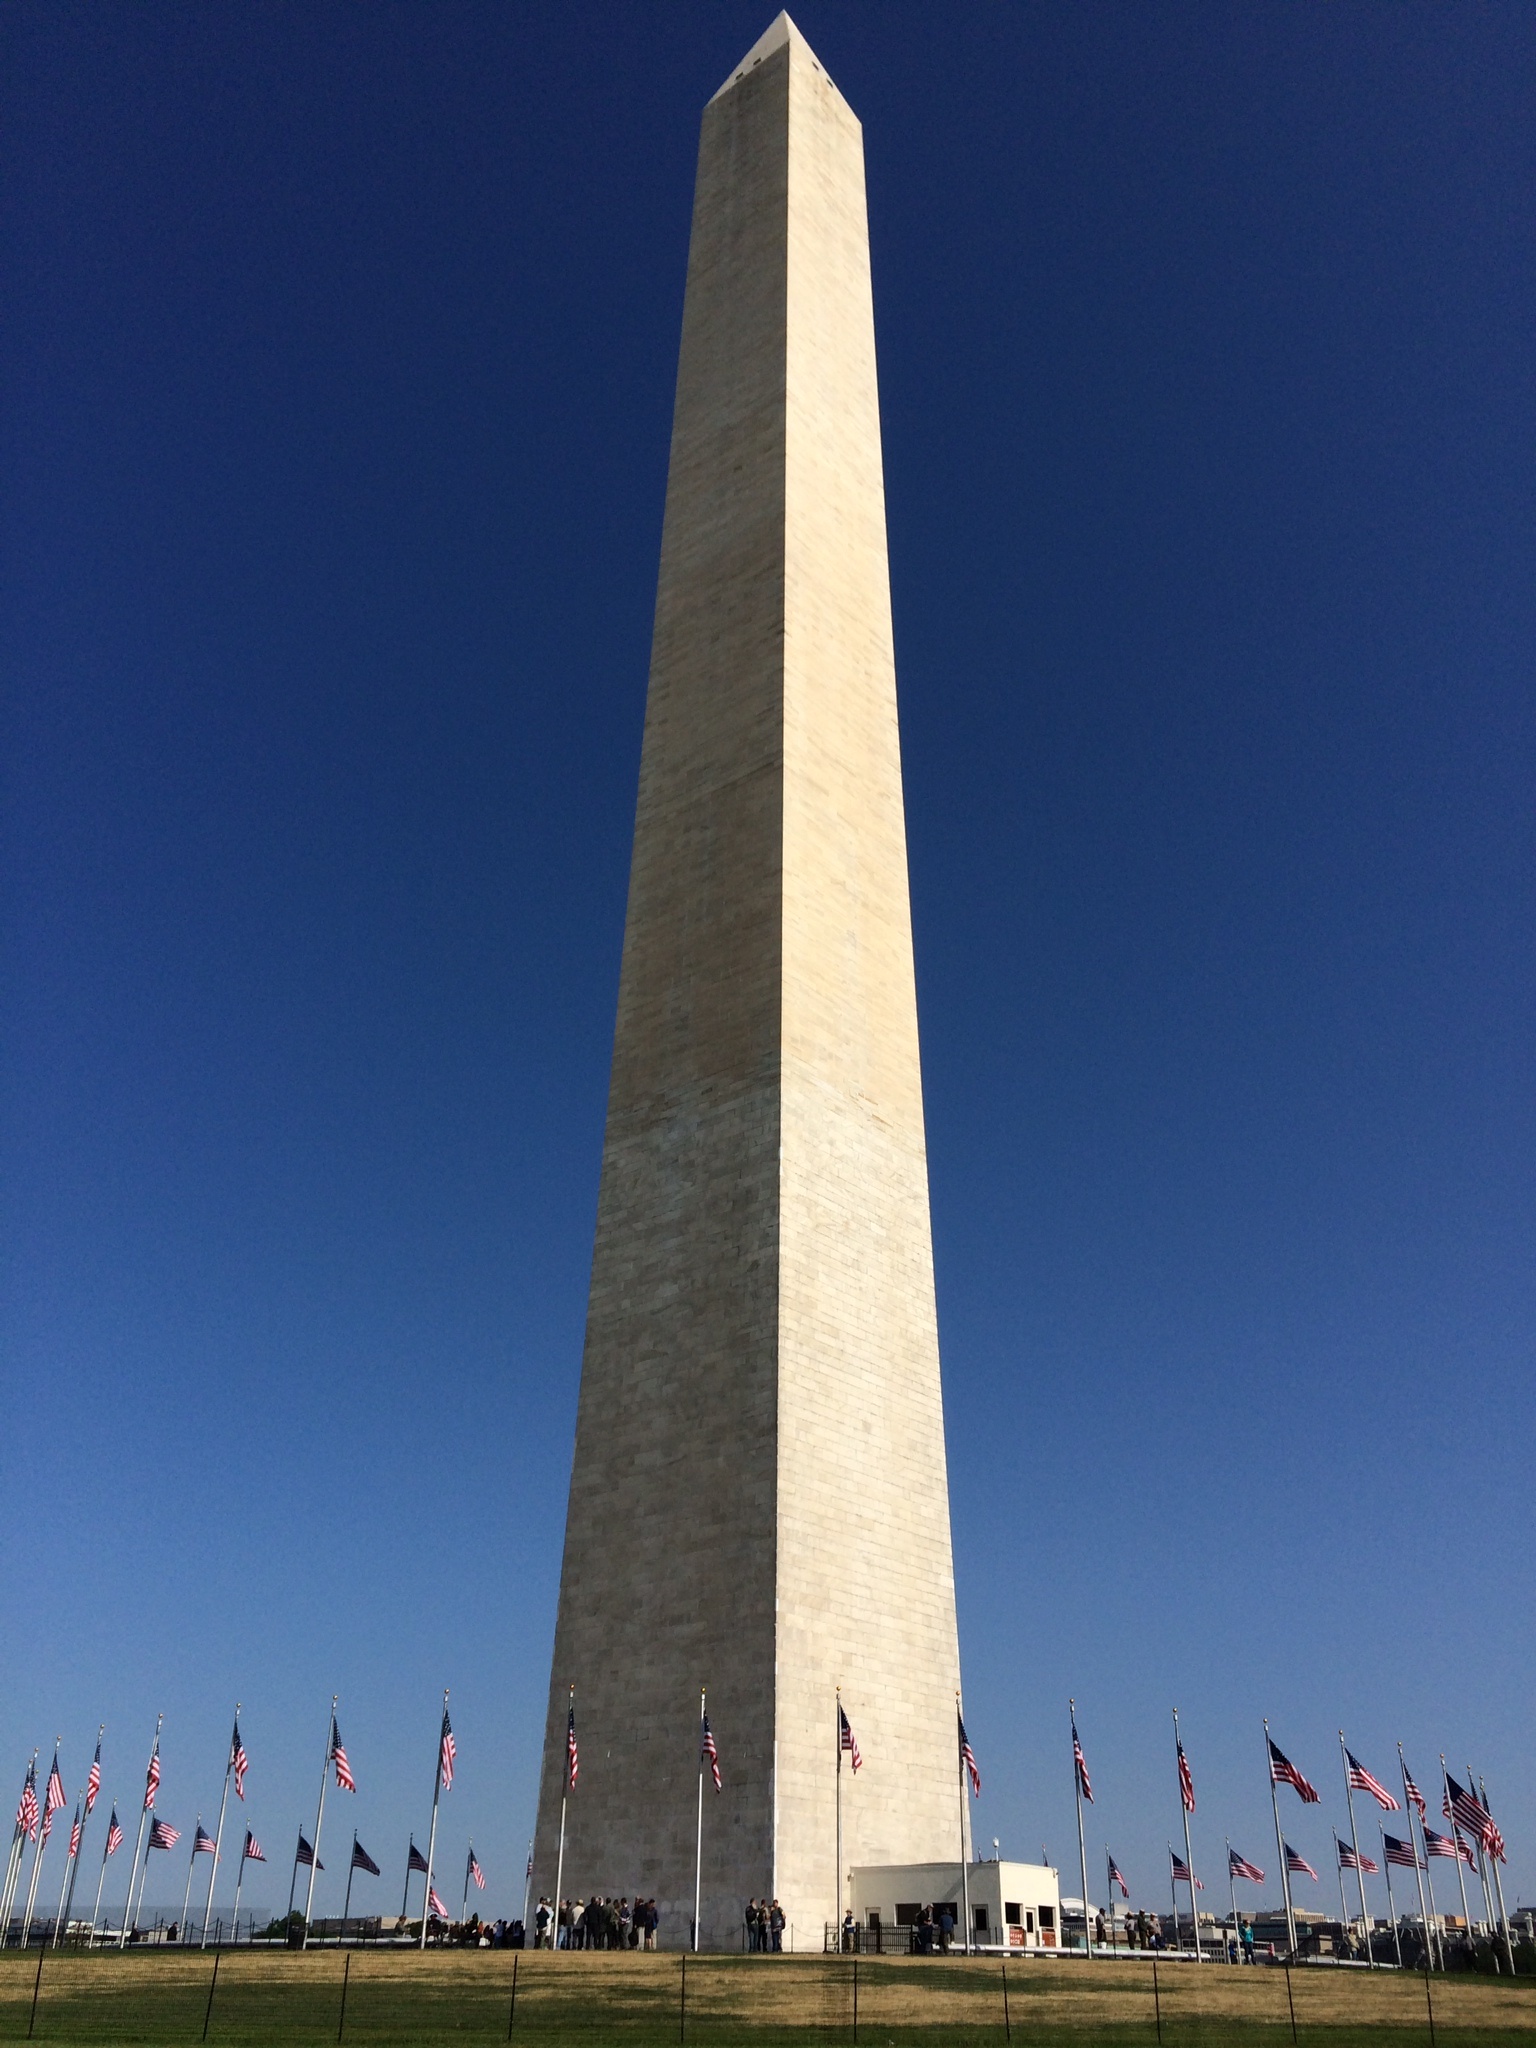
(338, 348)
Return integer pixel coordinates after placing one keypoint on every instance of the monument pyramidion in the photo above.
(759, 1503)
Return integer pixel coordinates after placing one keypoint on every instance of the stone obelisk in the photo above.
(759, 1502)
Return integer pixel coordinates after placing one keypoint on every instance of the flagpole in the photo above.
(13, 1864)
(527, 1885)
(437, 1786)
(565, 1786)
(293, 1882)
(239, 1881)
(1386, 1864)
(837, 1895)
(218, 1839)
(191, 1866)
(406, 1894)
(1189, 1854)
(698, 1838)
(1354, 1836)
(69, 1864)
(464, 1909)
(1285, 1876)
(42, 1846)
(1173, 1890)
(346, 1904)
(100, 1884)
(1237, 1945)
(74, 1868)
(1498, 1885)
(1082, 1853)
(122, 1939)
(965, 1867)
(314, 1847)
(1461, 1861)
(1418, 1872)
(1482, 1867)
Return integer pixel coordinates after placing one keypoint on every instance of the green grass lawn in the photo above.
(384, 1997)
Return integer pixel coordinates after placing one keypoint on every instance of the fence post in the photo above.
(512, 2009)
(212, 1981)
(682, 2000)
(1157, 2003)
(1007, 2022)
(37, 1985)
(346, 1972)
(1427, 1999)
(855, 1995)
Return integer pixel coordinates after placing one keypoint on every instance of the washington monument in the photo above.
(759, 1501)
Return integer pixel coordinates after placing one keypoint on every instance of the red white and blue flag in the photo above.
(344, 1778)
(572, 1755)
(239, 1762)
(968, 1758)
(53, 1793)
(1460, 1806)
(1414, 1793)
(1186, 1782)
(1298, 1865)
(1283, 1772)
(114, 1836)
(1401, 1852)
(475, 1871)
(1116, 1877)
(708, 1753)
(415, 1860)
(74, 1833)
(447, 1749)
(1241, 1867)
(1080, 1765)
(93, 1782)
(27, 1811)
(1442, 1845)
(305, 1854)
(435, 1904)
(361, 1860)
(1362, 1780)
(1351, 1858)
(162, 1835)
(846, 1739)
(202, 1842)
(1182, 1874)
(252, 1850)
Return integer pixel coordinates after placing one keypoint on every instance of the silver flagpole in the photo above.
(346, 1904)
(122, 1939)
(69, 1864)
(1419, 1861)
(405, 1895)
(437, 1786)
(698, 1838)
(1237, 1946)
(42, 1846)
(191, 1866)
(245, 1843)
(565, 1786)
(1189, 1854)
(1285, 1875)
(85, 1817)
(837, 1909)
(527, 1885)
(1082, 1854)
(1354, 1837)
(100, 1882)
(1498, 1885)
(1173, 1893)
(1482, 1864)
(1386, 1864)
(1338, 1860)
(18, 1851)
(1461, 1861)
(314, 1847)
(218, 1840)
(965, 1865)
(464, 1909)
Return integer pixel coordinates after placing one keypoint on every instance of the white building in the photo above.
(1013, 1905)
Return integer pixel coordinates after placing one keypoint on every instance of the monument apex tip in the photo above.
(780, 31)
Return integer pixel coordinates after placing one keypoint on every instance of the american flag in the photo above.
(202, 1842)
(162, 1835)
(475, 1871)
(708, 1753)
(1440, 1845)
(435, 1904)
(344, 1778)
(74, 1833)
(304, 1853)
(1116, 1878)
(114, 1835)
(1461, 1806)
(846, 1739)
(968, 1759)
(252, 1851)
(1182, 1873)
(1080, 1765)
(572, 1758)
(1401, 1852)
(1413, 1792)
(47, 1824)
(1186, 1782)
(1283, 1772)
(415, 1860)
(361, 1860)
(93, 1782)
(239, 1762)
(53, 1793)
(152, 1777)
(1351, 1858)
(26, 1813)
(1241, 1867)
(1361, 1780)
(1298, 1865)
(448, 1750)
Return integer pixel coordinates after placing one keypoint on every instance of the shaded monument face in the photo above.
(759, 1502)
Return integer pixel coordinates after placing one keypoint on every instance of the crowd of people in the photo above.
(596, 1923)
(763, 1922)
